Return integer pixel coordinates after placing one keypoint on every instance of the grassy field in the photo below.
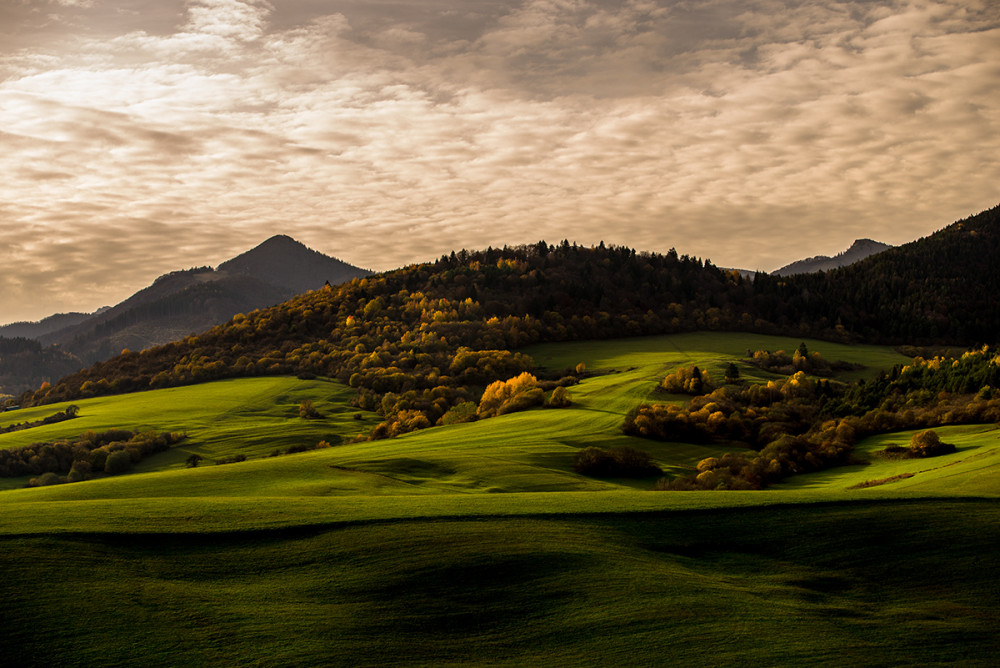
(478, 544)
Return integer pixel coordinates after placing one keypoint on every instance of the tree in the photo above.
(560, 398)
(193, 461)
(117, 462)
(308, 411)
(732, 373)
(928, 444)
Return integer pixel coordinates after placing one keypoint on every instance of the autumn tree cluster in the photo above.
(687, 380)
(799, 424)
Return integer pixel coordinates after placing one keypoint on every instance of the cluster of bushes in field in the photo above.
(687, 380)
(71, 412)
(797, 425)
(801, 360)
(922, 444)
(616, 462)
(753, 414)
(113, 451)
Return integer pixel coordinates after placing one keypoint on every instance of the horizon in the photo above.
(144, 137)
(215, 267)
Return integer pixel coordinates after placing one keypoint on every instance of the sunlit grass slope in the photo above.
(395, 553)
(973, 469)
(250, 416)
(523, 452)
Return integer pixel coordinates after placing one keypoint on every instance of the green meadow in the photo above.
(478, 544)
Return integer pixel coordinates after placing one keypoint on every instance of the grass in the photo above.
(249, 416)
(478, 544)
(776, 585)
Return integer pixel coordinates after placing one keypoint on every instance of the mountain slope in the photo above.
(190, 301)
(938, 289)
(285, 263)
(859, 250)
(53, 323)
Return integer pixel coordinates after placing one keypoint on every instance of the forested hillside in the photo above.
(419, 340)
(938, 289)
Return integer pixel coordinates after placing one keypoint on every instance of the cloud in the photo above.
(391, 132)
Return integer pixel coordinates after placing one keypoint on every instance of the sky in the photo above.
(139, 137)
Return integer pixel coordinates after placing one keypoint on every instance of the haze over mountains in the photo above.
(175, 305)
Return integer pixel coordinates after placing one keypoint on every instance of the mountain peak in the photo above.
(859, 250)
(285, 262)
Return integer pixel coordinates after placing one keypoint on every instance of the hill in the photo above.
(402, 330)
(478, 544)
(859, 250)
(185, 302)
(285, 263)
(25, 365)
(53, 323)
(938, 289)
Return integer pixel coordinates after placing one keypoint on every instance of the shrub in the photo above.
(927, 444)
(308, 411)
(687, 380)
(117, 462)
(618, 462)
(45, 480)
(515, 394)
(232, 459)
(463, 412)
(560, 398)
(79, 471)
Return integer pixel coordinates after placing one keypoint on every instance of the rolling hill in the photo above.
(478, 543)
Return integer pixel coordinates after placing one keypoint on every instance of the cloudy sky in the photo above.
(143, 136)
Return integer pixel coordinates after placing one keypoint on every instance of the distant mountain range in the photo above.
(34, 330)
(859, 250)
(178, 304)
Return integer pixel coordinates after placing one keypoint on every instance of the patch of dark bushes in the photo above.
(113, 451)
(617, 462)
(68, 414)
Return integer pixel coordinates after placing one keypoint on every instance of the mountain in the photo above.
(175, 305)
(859, 250)
(53, 323)
(285, 263)
(193, 300)
(938, 289)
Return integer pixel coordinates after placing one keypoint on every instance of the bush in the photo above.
(232, 459)
(45, 480)
(687, 380)
(559, 399)
(515, 394)
(463, 412)
(927, 444)
(618, 462)
(117, 462)
(308, 411)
